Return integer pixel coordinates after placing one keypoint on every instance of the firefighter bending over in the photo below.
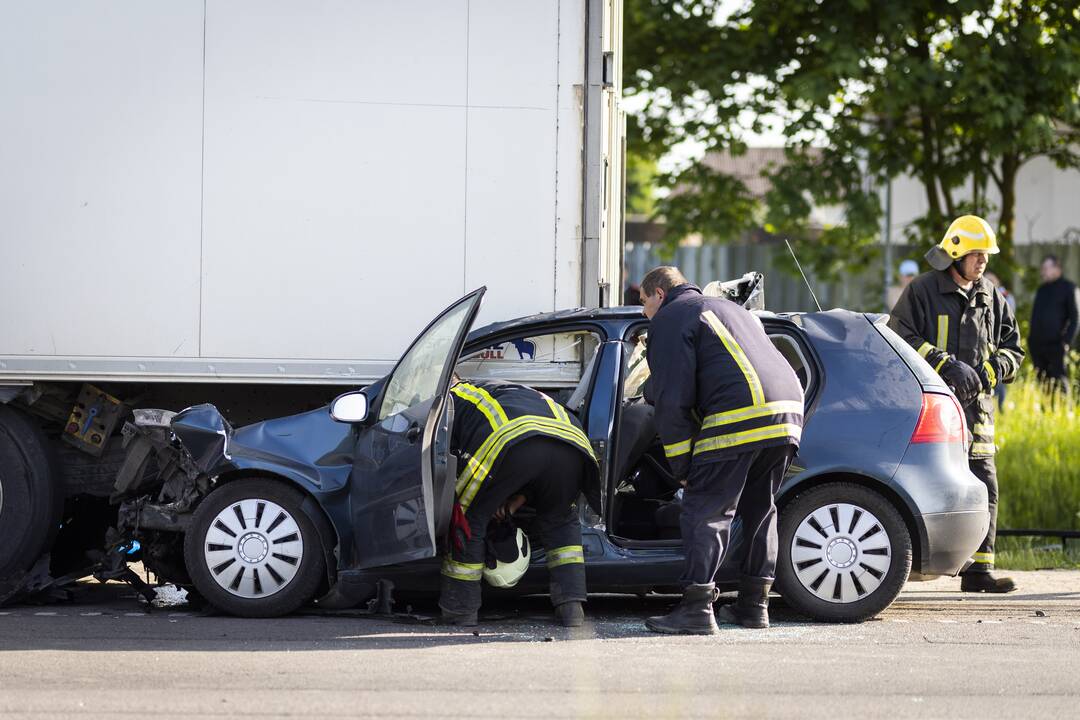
(512, 440)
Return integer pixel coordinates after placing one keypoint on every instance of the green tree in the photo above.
(640, 184)
(958, 94)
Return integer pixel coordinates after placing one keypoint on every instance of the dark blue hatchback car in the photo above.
(328, 503)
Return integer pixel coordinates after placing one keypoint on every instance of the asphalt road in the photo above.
(935, 653)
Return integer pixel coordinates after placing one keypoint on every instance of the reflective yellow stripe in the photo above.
(557, 410)
(980, 429)
(757, 395)
(477, 470)
(983, 557)
(478, 467)
(469, 572)
(990, 373)
(925, 349)
(943, 361)
(483, 402)
(779, 407)
(943, 332)
(983, 448)
(476, 460)
(542, 423)
(768, 432)
(565, 555)
(677, 449)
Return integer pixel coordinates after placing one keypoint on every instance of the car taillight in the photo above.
(940, 421)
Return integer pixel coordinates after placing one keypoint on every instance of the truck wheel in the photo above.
(30, 496)
(845, 553)
(252, 551)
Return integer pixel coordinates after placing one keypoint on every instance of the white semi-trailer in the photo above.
(254, 201)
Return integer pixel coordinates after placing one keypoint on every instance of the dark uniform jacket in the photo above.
(719, 386)
(944, 323)
(1055, 315)
(491, 417)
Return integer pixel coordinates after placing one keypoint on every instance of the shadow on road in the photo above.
(110, 618)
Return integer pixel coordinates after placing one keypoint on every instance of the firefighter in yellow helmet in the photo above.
(955, 319)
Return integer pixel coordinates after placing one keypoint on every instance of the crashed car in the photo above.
(331, 505)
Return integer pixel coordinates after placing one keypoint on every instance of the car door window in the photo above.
(791, 351)
(416, 378)
(554, 362)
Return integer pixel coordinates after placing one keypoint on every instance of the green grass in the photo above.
(1018, 553)
(1038, 466)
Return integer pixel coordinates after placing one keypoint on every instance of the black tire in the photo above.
(31, 498)
(866, 571)
(274, 591)
(84, 474)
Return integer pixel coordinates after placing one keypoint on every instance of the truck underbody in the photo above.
(87, 502)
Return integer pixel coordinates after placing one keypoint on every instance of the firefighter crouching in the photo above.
(513, 440)
(967, 332)
(729, 410)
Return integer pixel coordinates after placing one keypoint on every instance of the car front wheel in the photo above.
(252, 551)
(845, 553)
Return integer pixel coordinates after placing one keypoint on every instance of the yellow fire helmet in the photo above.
(968, 233)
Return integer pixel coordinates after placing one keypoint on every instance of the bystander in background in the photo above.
(1055, 317)
(908, 270)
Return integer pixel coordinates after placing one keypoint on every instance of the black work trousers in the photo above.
(743, 484)
(550, 473)
(1049, 362)
(986, 470)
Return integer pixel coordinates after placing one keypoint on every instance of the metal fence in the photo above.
(860, 289)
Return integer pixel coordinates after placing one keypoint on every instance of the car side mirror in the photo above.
(352, 407)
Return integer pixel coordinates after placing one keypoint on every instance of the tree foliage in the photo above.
(958, 94)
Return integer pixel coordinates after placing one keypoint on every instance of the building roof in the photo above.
(748, 167)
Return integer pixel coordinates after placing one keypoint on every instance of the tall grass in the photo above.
(1038, 460)
(1038, 466)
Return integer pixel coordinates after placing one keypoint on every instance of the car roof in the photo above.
(623, 312)
(620, 313)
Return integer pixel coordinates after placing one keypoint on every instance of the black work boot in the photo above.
(570, 614)
(751, 609)
(692, 616)
(985, 582)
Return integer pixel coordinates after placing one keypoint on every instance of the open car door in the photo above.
(401, 464)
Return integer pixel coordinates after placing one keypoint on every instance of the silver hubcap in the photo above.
(253, 548)
(841, 553)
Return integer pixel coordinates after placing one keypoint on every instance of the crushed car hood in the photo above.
(311, 445)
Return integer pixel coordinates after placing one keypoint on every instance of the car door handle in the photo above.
(412, 433)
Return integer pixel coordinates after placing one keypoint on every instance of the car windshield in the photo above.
(416, 378)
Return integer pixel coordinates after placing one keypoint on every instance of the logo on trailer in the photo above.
(525, 349)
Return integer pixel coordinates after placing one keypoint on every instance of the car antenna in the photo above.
(799, 265)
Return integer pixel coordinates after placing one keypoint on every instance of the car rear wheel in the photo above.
(845, 553)
(252, 551)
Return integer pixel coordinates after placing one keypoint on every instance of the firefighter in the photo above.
(729, 412)
(513, 441)
(967, 332)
